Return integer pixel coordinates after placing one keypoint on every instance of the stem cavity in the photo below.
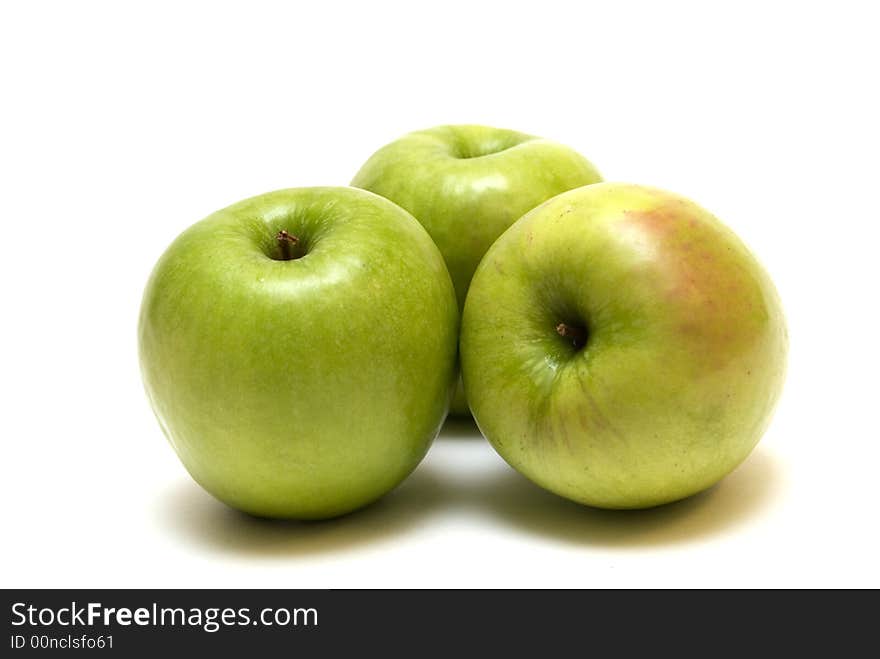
(575, 334)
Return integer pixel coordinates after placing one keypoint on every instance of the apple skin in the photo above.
(683, 361)
(467, 184)
(301, 388)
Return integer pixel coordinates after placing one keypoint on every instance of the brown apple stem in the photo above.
(285, 241)
(577, 335)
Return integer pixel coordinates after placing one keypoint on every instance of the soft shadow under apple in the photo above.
(739, 497)
(197, 518)
(498, 492)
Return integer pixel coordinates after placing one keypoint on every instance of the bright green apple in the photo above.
(621, 347)
(467, 184)
(299, 350)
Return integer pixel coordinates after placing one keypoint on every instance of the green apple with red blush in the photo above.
(621, 347)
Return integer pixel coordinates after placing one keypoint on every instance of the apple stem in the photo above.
(285, 240)
(577, 335)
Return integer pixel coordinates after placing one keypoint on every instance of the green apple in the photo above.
(467, 185)
(299, 350)
(621, 347)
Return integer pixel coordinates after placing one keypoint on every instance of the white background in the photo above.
(122, 126)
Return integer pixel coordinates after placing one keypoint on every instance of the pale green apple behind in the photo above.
(305, 387)
(621, 347)
(467, 184)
